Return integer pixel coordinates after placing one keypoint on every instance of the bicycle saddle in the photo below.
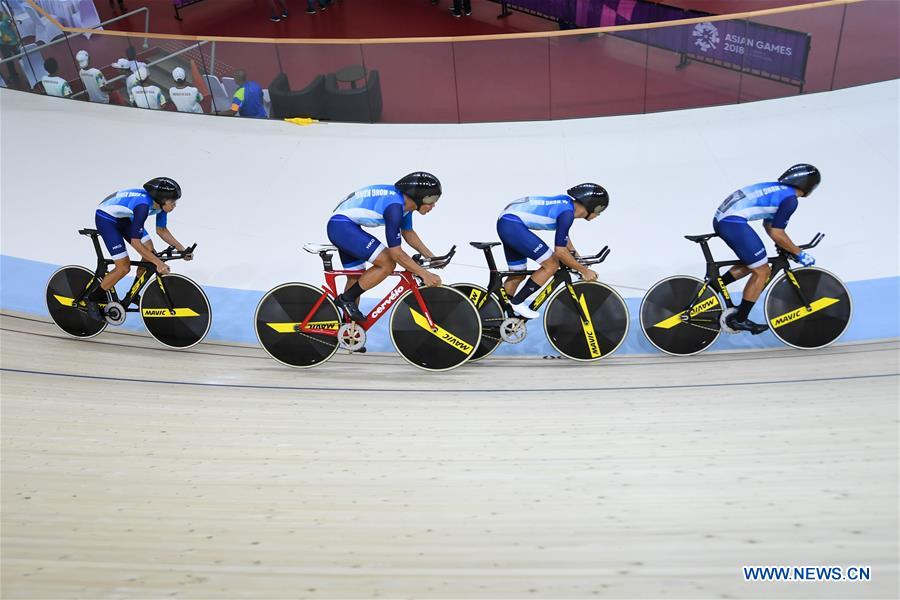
(701, 238)
(319, 248)
(90, 232)
(484, 245)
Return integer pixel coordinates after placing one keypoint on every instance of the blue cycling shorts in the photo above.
(520, 243)
(741, 238)
(355, 246)
(113, 232)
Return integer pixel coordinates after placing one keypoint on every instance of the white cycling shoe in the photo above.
(524, 311)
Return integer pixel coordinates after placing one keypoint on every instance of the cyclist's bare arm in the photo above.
(780, 237)
(166, 236)
(564, 254)
(405, 260)
(412, 238)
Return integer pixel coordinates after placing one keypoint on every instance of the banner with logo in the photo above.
(764, 50)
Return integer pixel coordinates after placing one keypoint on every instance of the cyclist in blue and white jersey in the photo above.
(774, 203)
(121, 217)
(391, 207)
(552, 213)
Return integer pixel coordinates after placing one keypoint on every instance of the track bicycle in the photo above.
(584, 320)
(174, 308)
(806, 307)
(433, 328)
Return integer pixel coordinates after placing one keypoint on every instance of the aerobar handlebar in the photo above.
(171, 253)
(435, 262)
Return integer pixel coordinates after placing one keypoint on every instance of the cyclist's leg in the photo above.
(749, 249)
(356, 248)
(113, 231)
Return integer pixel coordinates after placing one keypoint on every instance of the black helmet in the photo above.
(421, 187)
(594, 198)
(804, 177)
(162, 189)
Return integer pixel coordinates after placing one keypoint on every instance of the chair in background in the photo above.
(308, 102)
(32, 64)
(44, 30)
(220, 98)
(24, 24)
(86, 16)
(360, 105)
(230, 86)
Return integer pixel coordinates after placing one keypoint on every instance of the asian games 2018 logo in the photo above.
(707, 36)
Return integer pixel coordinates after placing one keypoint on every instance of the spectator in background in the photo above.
(460, 7)
(311, 9)
(10, 44)
(273, 5)
(248, 99)
(95, 83)
(184, 97)
(147, 95)
(54, 85)
(133, 62)
(124, 65)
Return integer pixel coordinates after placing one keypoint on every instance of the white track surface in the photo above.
(133, 471)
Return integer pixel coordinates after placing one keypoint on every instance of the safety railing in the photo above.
(627, 69)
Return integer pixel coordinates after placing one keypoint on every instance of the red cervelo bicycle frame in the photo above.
(407, 282)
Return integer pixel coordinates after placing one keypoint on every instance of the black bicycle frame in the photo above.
(713, 277)
(563, 275)
(104, 263)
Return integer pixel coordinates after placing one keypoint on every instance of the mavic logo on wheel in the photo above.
(790, 317)
(312, 325)
(165, 312)
(475, 296)
(441, 333)
(711, 302)
(588, 326)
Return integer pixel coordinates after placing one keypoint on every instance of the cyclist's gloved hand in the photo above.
(805, 259)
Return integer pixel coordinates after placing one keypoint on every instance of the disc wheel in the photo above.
(62, 288)
(828, 317)
(586, 340)
(278, 317)
(662, 310)
(491, 317)
(190, 318)
(456, 334)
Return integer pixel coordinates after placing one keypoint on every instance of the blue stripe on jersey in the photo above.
(122, 205)
(366, 206)
(759, 201)
(540, 212)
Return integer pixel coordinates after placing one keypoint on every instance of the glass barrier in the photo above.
(558, 75)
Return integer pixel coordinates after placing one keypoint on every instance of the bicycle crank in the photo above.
(114, 313)
(723, 325)
(513, 330)
(352, 337)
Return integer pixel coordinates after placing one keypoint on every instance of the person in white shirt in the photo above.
(184, 97)
(94, 82)
(130, 81)
(147, 95)
(54, 85)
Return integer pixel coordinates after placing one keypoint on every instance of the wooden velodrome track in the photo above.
(133, 471)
